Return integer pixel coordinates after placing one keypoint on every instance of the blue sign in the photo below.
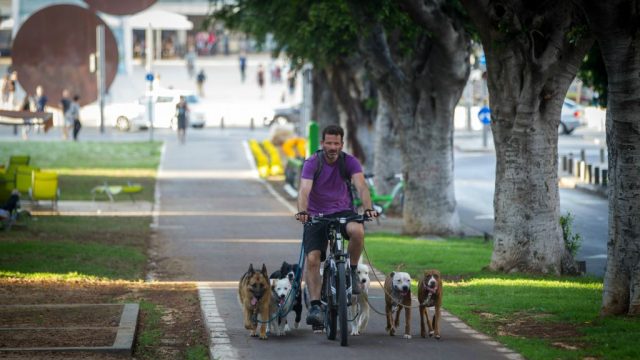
(484, 115)
(149, 77)
(483, 60)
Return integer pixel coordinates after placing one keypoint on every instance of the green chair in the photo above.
(24, 178)
(45, 187)
(111, 190)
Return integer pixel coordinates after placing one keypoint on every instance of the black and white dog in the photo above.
(294, 274)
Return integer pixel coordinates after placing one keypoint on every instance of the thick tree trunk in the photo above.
(615, 25)
(422, 93)
(352, 89)
(325, 109)
(388, 160)
(531, 62)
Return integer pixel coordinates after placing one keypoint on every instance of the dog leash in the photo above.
(383, 288)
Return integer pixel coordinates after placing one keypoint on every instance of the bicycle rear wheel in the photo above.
(332, 313)
(341, 289)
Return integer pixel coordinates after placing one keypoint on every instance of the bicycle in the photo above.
(336, 293)
(381, 202)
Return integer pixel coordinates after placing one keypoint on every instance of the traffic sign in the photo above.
(484, 115)
(149, 77)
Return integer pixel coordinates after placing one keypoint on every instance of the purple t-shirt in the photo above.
(329, 193)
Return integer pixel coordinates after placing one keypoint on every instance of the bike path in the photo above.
(215, 217)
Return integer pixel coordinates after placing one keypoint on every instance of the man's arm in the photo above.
(303, 199)
(363, 190)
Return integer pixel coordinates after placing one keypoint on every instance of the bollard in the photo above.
(564, 163)
(583, 155)
(222, 122)
(602, 155)
(588, 174)
(251, 125)
(605, 177)
(596, 175)
(582, 171)
(576, 169)
(570, 164)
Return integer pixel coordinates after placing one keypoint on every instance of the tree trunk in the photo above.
(422, 93)
(325, 109)
(352, 90)
(388, 161)
(615, 25)
(531, 61)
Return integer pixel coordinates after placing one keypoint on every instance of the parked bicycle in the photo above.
(336, 291)
(382, 202)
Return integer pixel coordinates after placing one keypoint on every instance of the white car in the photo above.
(133, 115)
(571, 118)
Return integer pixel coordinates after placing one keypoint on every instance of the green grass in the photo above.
(539, 317)
(84, 165)
(75, 248)
(85, 155)
(149, 337)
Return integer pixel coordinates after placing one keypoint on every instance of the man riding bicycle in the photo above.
(325, 190)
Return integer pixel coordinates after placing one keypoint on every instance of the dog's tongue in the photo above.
(254, 301)
(281, 301)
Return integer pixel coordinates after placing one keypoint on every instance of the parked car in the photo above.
(284, 115)
(571, 118)
(126, 117)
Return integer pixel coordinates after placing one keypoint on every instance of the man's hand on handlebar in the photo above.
(303, 217)
(371, 213)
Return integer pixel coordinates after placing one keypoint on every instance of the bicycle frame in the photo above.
(383, 201)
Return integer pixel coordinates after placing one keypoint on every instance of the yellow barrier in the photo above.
(275, 164)
(262, 162)
(295, 147)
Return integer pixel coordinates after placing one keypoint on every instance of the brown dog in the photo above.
(255, 297)
(397, 294)
(430, 294)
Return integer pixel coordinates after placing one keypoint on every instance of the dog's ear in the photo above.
(273, 284)
(392, 274)
(264, 270)
(251, 271)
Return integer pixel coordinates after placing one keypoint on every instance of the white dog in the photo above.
(397, 288)
(359, 303)
(281, 301)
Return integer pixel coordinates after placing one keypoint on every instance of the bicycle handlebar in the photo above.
(321, 219)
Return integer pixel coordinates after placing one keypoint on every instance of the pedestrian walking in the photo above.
(13, 82)
(243, 67)
(67, 120)
(200, 79)
(190, 58)
(5, 91)
(182, 113)
(261, 80)
(74, 113)
(27, 105)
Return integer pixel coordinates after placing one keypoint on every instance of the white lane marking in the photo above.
(219, 342)
(597, 256)
(484, 217)
(155, 213)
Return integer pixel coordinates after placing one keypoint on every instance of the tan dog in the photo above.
(397, 287)
(430, 295)
(255, 297)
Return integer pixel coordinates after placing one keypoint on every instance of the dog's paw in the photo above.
(407, 336)
(253, 334)
(287, 328)
(438, 337)
(430, 333)
(423, 334)
(355, 332)
(296, 324)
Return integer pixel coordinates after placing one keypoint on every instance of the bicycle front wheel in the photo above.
(331, 313)
(341, 289)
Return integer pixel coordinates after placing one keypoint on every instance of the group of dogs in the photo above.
(267, 299)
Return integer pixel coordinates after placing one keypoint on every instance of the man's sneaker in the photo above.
(355, 282)
(315, 316)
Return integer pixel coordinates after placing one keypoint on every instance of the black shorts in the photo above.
(315, 235)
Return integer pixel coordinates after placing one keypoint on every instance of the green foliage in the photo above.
(594, 74)
(572, 241)
(197, 352)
